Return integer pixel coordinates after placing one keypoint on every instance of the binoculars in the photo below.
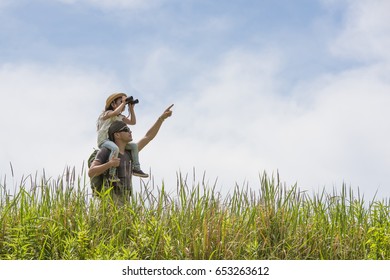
(131, 100)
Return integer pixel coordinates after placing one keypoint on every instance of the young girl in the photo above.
(115, 105)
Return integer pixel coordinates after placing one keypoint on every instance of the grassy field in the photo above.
(59, 219)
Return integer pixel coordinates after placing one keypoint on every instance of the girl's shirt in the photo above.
(103, 125)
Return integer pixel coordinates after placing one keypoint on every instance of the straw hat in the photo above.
(112, 97)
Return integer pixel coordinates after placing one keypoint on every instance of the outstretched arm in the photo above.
(152, 132)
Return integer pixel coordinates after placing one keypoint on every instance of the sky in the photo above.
(296, 88)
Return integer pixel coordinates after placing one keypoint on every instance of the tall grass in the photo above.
(59, 219)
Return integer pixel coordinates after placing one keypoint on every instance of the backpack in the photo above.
(97, 182)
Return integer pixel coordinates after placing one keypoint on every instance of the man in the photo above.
(120, 133)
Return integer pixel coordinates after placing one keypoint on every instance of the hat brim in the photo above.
(112, 97)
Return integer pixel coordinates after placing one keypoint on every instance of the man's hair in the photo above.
(114, 128)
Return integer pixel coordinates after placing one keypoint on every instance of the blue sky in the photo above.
(300, 87)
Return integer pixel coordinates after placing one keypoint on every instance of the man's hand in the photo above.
(167, 113)
(114, 162)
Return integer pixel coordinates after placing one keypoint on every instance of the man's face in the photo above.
(125, 134)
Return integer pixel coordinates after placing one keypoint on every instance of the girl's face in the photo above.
(116, 103)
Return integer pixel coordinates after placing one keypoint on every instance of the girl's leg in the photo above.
(114, 153)
(133, 148)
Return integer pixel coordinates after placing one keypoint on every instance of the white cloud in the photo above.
(345, 133)
(235, 123)
(366, 31)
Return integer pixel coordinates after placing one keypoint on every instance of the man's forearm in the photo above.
(152, 132)
(97, 169)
